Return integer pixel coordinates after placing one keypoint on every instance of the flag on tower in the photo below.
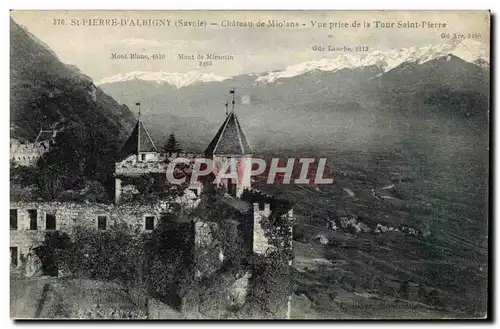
(231, 91)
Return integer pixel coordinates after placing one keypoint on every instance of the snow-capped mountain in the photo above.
(469, 50)
(446, 86)
(178, 80)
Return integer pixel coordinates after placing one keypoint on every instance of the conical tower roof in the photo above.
(139, 141)
(230, 139)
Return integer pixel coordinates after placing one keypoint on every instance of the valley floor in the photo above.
(326, 289)
(428, 258)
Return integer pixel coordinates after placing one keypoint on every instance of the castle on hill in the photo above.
(247, 207)
(27, 154)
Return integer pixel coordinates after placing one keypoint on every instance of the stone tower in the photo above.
(138, 156)
(141, 144)
(230, 147)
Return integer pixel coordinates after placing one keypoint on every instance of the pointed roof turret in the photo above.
(139, 140)
(230, 139)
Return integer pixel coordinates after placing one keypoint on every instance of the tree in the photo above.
(50, 182)
(171, 145)
(78, 155)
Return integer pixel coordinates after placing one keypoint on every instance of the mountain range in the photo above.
(468, 49)
(344, 101)
(381, 99)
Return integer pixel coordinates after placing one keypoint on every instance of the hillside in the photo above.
(92, 126)
(47, 93)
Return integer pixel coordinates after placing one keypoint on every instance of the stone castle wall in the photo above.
(264, 208)
(154, 163)
(208, 255)
(261, 235)
(69, 215)
(131, 166)
(243, 168)
(27, 154)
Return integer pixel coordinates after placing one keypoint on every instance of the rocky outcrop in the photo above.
(49, 298)
(353, 223)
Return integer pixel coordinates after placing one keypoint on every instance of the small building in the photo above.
(141, 158)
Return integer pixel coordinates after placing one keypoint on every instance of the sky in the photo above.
(254, 49)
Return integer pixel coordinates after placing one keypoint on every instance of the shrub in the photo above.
(270, 284)
(158, 262)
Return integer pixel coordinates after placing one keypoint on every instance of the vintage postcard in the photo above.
(249, 164)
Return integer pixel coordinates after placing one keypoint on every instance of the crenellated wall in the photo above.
(262, 235)
(132, 167)
(152, 163)
(267, 207)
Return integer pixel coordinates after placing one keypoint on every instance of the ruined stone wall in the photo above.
(266, 206)
(208, 253)
(152, 163)
(260, 241)
(69, 215)
(27, 154)
(262, 234)
(132, 167)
